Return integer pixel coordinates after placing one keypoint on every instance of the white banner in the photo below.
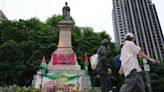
(62, 82)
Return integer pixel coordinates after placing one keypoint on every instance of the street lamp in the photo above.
(147, 70)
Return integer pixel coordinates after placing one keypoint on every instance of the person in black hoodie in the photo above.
(103, 68)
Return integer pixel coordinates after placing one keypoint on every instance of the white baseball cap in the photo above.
(131, 35)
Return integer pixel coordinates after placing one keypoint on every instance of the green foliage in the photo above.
(24, 42)
(157, 77)
(22, 45)
(53, 21)
(15, 88)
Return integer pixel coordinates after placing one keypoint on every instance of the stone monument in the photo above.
(63, 71)
(64, 56)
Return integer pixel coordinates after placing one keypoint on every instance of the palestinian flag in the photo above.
(86, 63)
(43, 65)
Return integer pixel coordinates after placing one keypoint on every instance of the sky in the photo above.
(86, 13)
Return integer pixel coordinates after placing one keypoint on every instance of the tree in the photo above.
(22, 45)
(24, 42)
(157, 77)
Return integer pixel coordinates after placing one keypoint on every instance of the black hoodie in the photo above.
(102, 67)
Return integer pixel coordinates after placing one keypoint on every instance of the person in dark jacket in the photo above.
(103, 68)
(118, 61)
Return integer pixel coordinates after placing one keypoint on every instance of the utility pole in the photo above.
(147, 70)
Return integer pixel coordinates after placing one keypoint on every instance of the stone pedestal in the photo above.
(65, 34)
(55, 68)
(64, 55)
(62, 65)
(86, 82)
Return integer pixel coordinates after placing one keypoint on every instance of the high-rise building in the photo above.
(2, 15)
(139, 17)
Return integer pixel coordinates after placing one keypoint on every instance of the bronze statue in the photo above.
(66, 12)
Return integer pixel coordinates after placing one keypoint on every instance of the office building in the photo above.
(139, 17)
(2, 15)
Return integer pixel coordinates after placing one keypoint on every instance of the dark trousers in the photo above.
(133, 81)
(105, 83)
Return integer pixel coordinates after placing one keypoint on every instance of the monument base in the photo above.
(57, 68)
(63, 78)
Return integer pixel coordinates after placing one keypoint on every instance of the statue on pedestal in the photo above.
(63, 73)
(66, 12)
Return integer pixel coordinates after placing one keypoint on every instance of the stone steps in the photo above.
(86, 83)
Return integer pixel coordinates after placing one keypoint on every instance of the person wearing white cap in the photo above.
(130, 67)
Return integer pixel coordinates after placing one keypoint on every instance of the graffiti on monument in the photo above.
(64, 59)
(62, 81)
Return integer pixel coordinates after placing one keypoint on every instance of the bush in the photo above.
(15, 88)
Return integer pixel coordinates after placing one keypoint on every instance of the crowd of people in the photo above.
(129, 66)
